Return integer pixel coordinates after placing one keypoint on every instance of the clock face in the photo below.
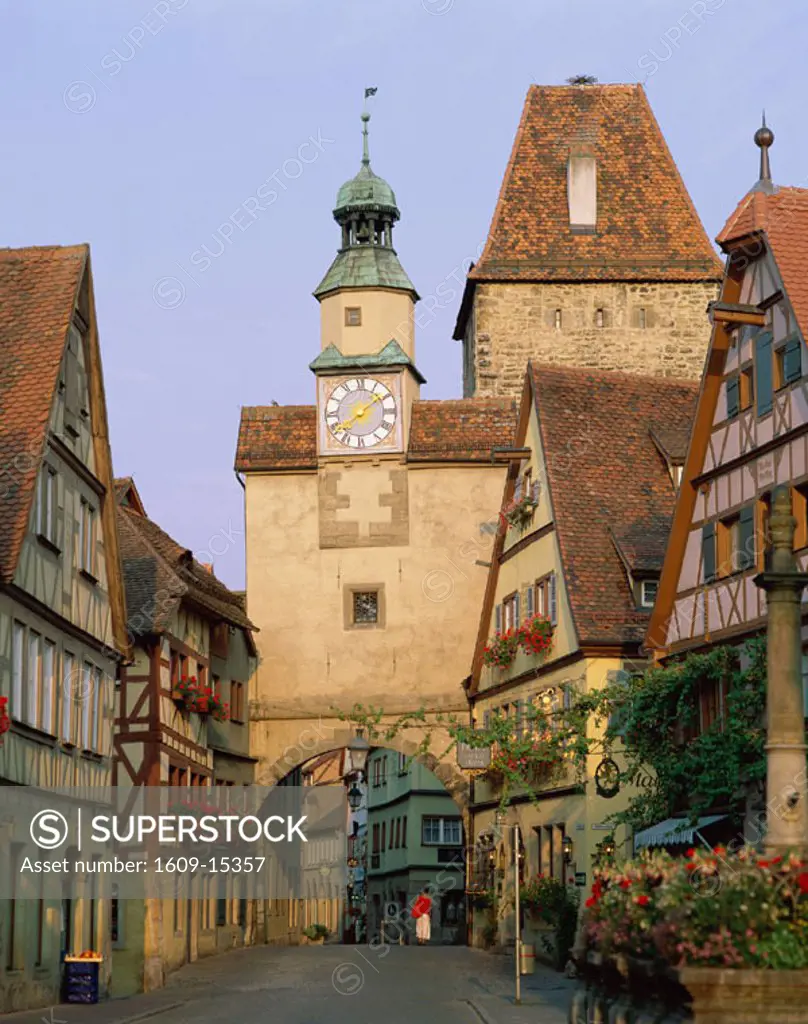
(361, 412)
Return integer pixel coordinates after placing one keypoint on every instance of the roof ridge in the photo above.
(582, 371)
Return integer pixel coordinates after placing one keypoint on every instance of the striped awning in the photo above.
(674, 831)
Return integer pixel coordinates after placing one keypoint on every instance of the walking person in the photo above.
(422, 912)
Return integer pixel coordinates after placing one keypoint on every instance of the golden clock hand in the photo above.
(358, 413)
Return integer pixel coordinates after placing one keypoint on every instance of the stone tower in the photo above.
(596, 256)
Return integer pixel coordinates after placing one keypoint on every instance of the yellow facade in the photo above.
(568, 805)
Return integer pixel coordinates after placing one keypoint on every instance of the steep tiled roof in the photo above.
(461, 430)
(277, 437)
(159, 573)
(38, 289)
(647, 226)
(783, 218)
(609, 485)
(284, 436)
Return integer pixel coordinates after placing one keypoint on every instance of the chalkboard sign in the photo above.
(81, 980)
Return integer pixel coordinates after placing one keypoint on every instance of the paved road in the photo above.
(336, 985)
(364, 985)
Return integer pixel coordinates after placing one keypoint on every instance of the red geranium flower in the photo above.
(802, 882)
(643, 900)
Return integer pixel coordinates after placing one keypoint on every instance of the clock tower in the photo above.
(366, 375)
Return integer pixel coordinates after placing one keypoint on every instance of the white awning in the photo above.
(674, 831)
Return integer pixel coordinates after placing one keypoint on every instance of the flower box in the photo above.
(519, 513)
(726, 996)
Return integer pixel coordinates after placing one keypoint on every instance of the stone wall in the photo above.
(651, 328)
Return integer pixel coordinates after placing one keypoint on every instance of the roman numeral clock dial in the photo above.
(361, 413)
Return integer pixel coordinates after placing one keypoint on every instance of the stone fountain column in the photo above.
(786, 777)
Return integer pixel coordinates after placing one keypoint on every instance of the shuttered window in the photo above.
(745, 557)
(498, 618)
(763, 369)
(708, 551)
(733, 397)
(792, 360)
(531, 602)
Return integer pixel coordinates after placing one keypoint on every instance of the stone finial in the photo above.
(782, 525)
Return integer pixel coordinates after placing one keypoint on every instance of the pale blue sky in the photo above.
(141, 127)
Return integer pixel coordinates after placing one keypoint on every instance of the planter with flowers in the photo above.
(519, 513)
(534, 636)
(735, 927)
(551, 909)
(208, 702)
(184, 692)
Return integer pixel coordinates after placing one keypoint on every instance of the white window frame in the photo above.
(428, 820)
(86, 704)
(33, 679)
(68, 682)
(644, 602)
(17, 670)
(87, 537)
(97, 723)
(49, 672)
(46, 504)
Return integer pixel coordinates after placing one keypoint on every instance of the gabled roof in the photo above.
(38, 292)
(616, 484)
(647, 226)
(778, 223)
(159, 573)
(284, 437)
(609, 487)
(126, 493)
(782, 219)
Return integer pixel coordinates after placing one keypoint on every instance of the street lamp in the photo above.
(501, 821)
(357, 753)
(566, 849)
(354, 797)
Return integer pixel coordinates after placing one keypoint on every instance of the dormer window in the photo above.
(582, 192)
(648, 593)
(353, 316)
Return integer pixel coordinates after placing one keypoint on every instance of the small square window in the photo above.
(600, 319)
(353, 316)
(642, 318)
(365, 607)
(648, 593)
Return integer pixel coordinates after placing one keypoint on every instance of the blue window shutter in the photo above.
(733, 397)
(763, 371)
(486, 719)
(498, 618)
(553, 603)
(792, 360)
(531, 611)
(516, 603)
(746, 538)
(708, 551)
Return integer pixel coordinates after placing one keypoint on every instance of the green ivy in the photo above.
(645, 722)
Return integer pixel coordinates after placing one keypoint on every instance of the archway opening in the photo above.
(406, 851)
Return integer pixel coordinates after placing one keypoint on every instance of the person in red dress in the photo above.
(422, 912)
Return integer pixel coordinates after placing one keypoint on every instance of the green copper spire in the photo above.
(366, 211)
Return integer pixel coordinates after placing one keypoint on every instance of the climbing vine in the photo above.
(649, 722)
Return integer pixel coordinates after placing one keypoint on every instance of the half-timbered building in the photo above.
(586, 511)
(750, 431)
(62, 629)
(185, 626)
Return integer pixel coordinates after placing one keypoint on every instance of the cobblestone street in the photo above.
(338, 985)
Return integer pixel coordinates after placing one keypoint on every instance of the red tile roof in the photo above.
(277, 437)
(38, 290)
(609, 486)
(783, 218)
(159, 574)
(647, 226)
(463, 430)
